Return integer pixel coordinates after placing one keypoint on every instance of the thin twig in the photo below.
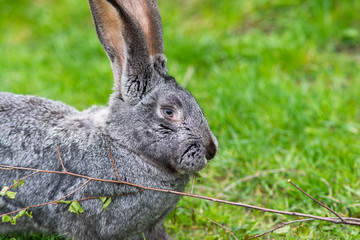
(281, 226)
(7, 169)
(31, 174)
(240, 204)
(48, 203)
(320, 203)
(61, 162)
(222, 226)
(113, 162)
(120, 195)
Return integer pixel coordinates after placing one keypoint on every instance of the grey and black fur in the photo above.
(154, 129)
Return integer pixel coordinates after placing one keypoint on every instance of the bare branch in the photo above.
(113, 162)
(7, 169)
(33, 173)
(48, 203)
(61, 162)
(320, 203)
(120, 195)
(240, 204)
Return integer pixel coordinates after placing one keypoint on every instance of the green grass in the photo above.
(279, 82)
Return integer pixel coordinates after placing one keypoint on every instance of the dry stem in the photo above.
(320, 203)
(61, 162)
(239, 204)
(338, 220)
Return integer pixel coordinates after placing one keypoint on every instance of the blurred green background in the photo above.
(279, 82)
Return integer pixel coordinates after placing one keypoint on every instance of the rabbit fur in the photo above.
(155, 130)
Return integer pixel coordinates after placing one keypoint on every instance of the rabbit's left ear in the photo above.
(131, 34)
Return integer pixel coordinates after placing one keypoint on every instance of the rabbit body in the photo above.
(30, 126)
(154, 129)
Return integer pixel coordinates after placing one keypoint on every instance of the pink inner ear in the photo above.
(145, 15)
(112, 28)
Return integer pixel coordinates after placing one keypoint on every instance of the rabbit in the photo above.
(155, 130)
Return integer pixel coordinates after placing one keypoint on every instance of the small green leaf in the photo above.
(75, 207)
(103, 199)
(6, 218)
(4, 190)
(29, 214)
(21, 213)
(282, 231)
(15, 184)
(303, 232)
(106, 203)
(11, 194)
(18, 183)
(65, 201)
(13, 221)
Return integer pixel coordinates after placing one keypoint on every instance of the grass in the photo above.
(279, 82)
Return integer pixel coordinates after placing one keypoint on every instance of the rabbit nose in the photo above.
(212, 147)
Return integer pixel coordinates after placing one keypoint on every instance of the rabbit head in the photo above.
(149, 112)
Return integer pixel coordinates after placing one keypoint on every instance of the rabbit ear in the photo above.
(130, 32)
(146, 13)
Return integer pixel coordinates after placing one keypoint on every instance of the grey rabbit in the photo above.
(155, 130)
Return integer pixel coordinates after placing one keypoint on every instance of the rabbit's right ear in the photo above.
(131, 33)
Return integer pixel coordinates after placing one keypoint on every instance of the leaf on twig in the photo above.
(6, 218)
(106, 201)
(4, 190)
(75, 207)
(282, 231)
(29, 214)
(11, 194)
(21, 213)
(18, 183)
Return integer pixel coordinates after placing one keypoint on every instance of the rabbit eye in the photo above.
(168, 113)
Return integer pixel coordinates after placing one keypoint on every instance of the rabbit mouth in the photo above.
(193, 159)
